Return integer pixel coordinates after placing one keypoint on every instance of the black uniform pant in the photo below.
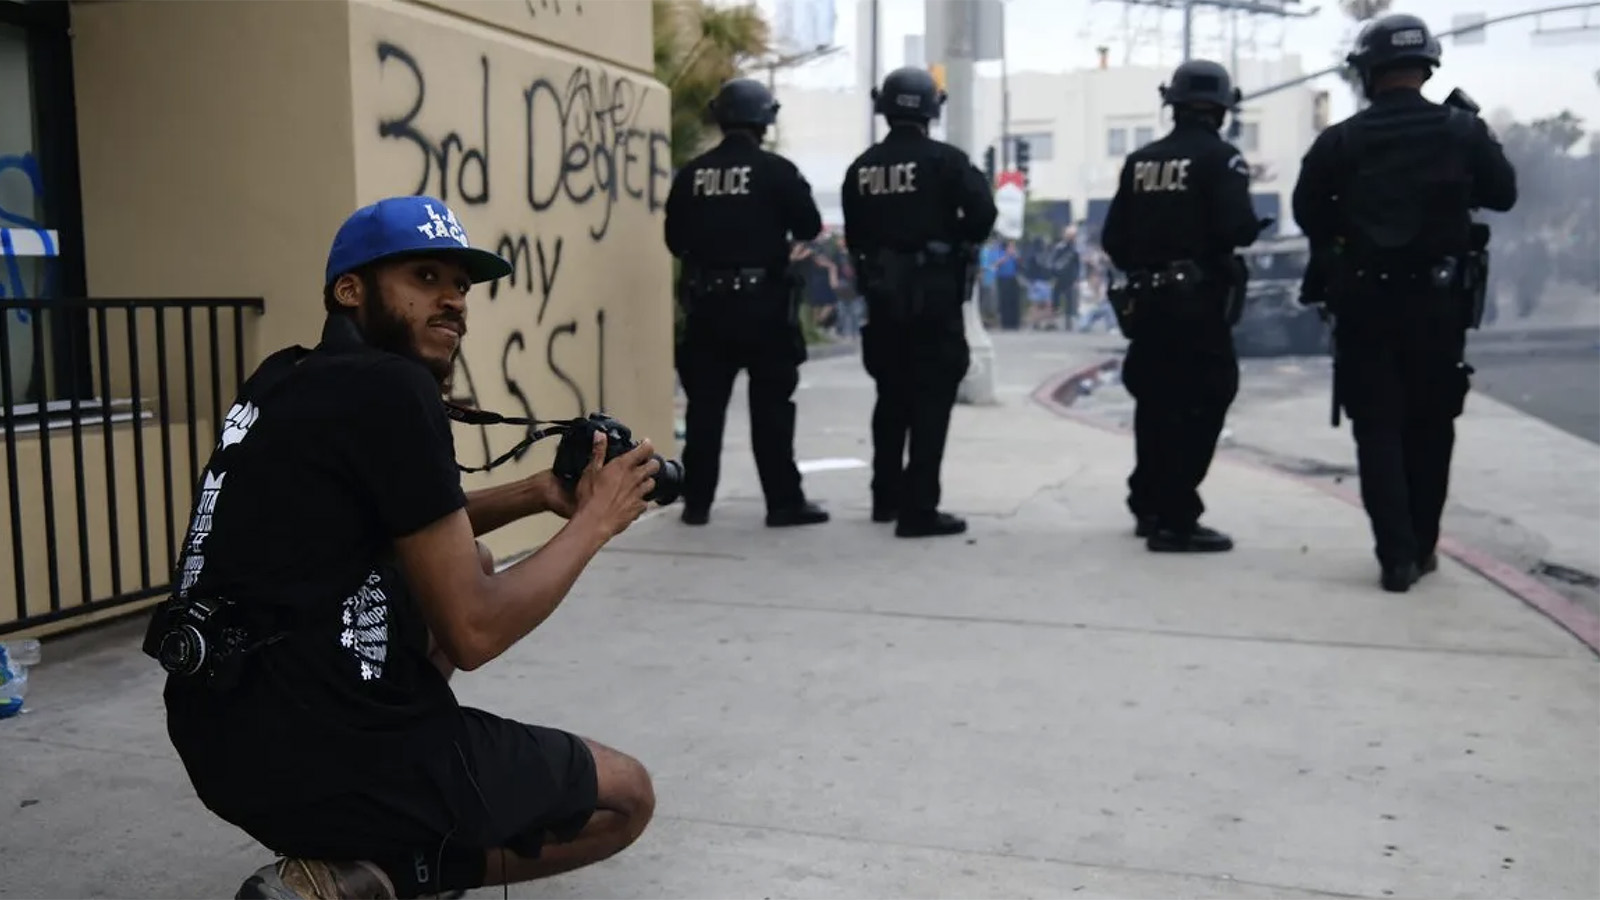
(918, 368)
(1182, 383)
(1402, 381)
(713, 351)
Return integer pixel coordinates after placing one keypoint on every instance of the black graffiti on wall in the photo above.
(515, 365)
(552, 6)
(436, 154)
(603, 155)
(536, 268)
(583, 147)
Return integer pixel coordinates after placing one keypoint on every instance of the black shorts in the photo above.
(502, 785)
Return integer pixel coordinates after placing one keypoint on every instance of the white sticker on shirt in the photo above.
(365, 623)
(236, 425)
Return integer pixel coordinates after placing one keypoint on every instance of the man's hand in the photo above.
(611, 495)
(554, 495)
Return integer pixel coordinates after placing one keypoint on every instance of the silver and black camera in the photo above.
(200, 640)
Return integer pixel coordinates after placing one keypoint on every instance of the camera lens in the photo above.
(669, 481)
(183, 651)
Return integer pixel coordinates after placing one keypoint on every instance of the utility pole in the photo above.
(1005, 96)
(978, 387)
(1188, 29)
(960, 74)
(872, 115)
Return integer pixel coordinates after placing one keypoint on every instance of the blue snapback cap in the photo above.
(399, 226)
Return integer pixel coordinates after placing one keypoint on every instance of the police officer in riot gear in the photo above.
(1385, 198)
(730, 217)
(1182, 207)
(914, 211)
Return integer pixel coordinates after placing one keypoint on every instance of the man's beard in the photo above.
(385, 331)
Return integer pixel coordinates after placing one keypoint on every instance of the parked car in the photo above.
(1274, 323)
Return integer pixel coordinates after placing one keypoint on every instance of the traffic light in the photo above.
(988, 164)
(1023, 152)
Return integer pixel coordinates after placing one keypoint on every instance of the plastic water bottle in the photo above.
(15, 658)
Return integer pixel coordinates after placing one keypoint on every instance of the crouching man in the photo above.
(331, 580)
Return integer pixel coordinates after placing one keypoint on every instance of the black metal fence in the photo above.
(108, 409)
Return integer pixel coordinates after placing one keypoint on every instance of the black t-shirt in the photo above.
(313, 478)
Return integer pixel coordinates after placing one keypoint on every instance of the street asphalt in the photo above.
(1551, 373)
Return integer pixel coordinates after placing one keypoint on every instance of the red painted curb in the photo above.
(1578, 621)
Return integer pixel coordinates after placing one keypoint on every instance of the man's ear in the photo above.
(348, 291)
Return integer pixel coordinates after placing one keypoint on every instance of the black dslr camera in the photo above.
(199, 640)
(576, 448)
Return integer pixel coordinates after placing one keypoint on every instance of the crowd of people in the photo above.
(1033, 283)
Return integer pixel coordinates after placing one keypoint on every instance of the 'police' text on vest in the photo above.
(734, 180)
(899, 178)
(1161, 175)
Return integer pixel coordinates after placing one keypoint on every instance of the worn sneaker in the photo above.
(315, 879)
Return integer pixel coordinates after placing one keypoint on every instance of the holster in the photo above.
(1238, 287)
(1314, 282)
(1122, 298)
(1474, 287)
(910, 286)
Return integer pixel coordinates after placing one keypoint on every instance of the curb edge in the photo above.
(1570, 616)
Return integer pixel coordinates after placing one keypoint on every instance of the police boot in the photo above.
(884, 512)
(805, 513)
(1399, 579)
(696, 515)
(304, 879)
(1195, 539)
(1144, 526)
(1429, 564)
(935, 524)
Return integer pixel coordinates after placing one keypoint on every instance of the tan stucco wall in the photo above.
(560, 163)
(222, 143)
(613, 31)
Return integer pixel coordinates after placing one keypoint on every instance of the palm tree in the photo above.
(698, 47)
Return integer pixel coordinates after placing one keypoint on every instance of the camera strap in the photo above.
(541, 429)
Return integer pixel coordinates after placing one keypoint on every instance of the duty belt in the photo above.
(1179, 273)
(731, 281)
(1442, 274)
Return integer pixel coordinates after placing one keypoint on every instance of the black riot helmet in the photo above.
(1394, 41)
(1201, 81)
(908, 93)
(744, 101)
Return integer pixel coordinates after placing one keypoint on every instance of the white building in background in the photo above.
(1079, 125)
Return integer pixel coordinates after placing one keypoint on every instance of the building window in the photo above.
(1249, 137)
(41, 248)
(1117, 142)
(1142, 135)
(1041, 146)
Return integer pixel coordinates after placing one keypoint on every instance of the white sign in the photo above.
(964, 29)
(1012, 202)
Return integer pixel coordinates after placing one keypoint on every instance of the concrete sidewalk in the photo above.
(1038, 708)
